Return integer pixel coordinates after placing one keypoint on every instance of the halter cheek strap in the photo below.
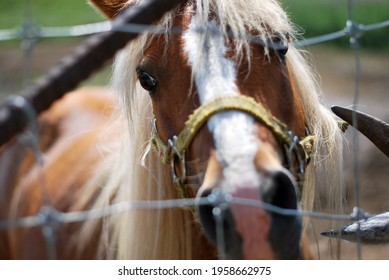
(297, 150)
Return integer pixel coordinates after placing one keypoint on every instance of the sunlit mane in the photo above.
(133, 172)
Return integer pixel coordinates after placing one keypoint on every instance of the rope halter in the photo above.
(297, 150)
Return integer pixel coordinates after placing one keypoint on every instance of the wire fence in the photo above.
(49, 219)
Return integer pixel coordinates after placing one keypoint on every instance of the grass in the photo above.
(316, 17)
(48, 12)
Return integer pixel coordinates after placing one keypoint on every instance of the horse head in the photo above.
(230, 119)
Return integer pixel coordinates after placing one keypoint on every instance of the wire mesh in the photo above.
(49, 219)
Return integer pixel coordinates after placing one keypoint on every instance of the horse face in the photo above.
(234, 157)
(240, 157)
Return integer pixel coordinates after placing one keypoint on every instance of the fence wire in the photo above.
(50, 219)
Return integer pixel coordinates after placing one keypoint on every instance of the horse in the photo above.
(217, 105)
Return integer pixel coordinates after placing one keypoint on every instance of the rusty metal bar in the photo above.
(377, 131)
(80, 64)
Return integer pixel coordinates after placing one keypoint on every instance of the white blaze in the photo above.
(215, 76)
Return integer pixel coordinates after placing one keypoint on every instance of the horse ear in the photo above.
(111, 8)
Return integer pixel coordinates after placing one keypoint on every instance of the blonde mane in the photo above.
(133, 172)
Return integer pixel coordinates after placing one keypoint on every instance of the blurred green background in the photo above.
(315, 17)
(48, 12)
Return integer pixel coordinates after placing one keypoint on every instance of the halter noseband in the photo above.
(297, 150)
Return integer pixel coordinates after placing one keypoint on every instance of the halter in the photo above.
(297, 150)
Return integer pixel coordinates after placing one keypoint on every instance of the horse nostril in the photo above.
(281, 191)
(206, 218)
(219, 227)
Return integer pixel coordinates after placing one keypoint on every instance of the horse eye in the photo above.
(147, 81)
(281, 47)
(282, 50)
(281, 53)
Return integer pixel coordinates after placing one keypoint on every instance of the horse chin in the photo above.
(243, 231)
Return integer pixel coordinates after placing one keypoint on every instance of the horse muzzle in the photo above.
(239, 219)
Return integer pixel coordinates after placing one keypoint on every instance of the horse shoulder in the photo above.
(71, 140)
